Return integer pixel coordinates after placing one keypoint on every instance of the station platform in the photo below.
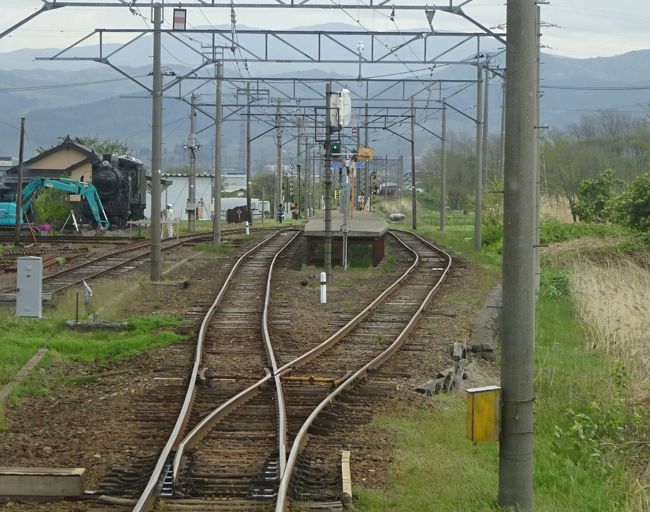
(366, 233)
(363, 224)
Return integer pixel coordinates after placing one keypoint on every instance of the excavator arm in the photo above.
(86, 190)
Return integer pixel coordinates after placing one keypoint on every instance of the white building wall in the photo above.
(176, 195)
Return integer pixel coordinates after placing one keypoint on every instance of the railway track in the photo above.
(229, 356)
(121, 259)
(69, 239)
(237, 457)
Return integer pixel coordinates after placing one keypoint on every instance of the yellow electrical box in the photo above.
(484, 413)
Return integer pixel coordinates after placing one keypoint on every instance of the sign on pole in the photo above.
(366, 153)
(180, 19)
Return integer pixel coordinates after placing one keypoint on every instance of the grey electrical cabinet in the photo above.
(29, 286)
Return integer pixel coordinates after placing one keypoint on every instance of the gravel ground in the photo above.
(88, 424)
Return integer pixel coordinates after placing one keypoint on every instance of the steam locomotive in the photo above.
(121, 184)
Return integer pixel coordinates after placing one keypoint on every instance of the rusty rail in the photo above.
(148, 496)
(302, 437)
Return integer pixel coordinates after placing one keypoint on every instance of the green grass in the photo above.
(586, 457)
(21, 338)
(434, 467)
(579, 408)
(554, 231)
(582, 423)
(219, 249)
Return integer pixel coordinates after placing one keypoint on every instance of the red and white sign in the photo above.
(180, 17)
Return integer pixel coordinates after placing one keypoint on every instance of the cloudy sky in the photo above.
(574, 28)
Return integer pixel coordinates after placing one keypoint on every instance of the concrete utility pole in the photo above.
(216, 192)
(156, 147)
(309, 181)
(367, 164)
(413, 205)
(19, 190)
(518, 324)
(249, 215)
(484, 145)
(443, 168)
(192, 148)
(538, 140)
(327, 186)
(479, 154)
(400, 169)
(278, 162)
(298, 164)
(307, 176)
(503, 128)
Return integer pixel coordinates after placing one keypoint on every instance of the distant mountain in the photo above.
(86, 98)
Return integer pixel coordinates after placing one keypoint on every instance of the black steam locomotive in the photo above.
(121, 184)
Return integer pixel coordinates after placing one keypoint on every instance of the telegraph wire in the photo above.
(598, 88)
(63, 86)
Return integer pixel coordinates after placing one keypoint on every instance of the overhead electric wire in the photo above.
(63, 86)
(598, 88)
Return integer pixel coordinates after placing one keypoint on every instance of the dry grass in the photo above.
(612, 297)
(555, 208)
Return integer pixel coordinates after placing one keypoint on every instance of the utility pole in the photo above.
(538, 140)
(400, 169)
(278, 185)
(479, 153)
(484, 147)
(327, 182)
(249, 214)
(156, 147)
(307, 175)
(503, 128)
(192, 148)
(413, 206)
(216, 192)
(298, 163)
(19, 190)
(443, 168)
(367, 164)
(518, 323)
(309, 181)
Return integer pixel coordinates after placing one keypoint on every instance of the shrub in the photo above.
(51, 206)
(632, 208)
(595, 195)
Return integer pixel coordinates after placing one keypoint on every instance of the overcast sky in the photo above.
(575, 28)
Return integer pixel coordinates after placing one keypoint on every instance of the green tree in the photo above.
(104, 146)
(632, 208)
(594, 197)
(461, 172)
(264, 183)
(51, 207)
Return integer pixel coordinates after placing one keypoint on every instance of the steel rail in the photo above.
(220, 412)
(301, 438)
(54, 239)
(224, 409)
(148, 496)
(282, 413)
(129, 248)
(338, 335)
(133, 247)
